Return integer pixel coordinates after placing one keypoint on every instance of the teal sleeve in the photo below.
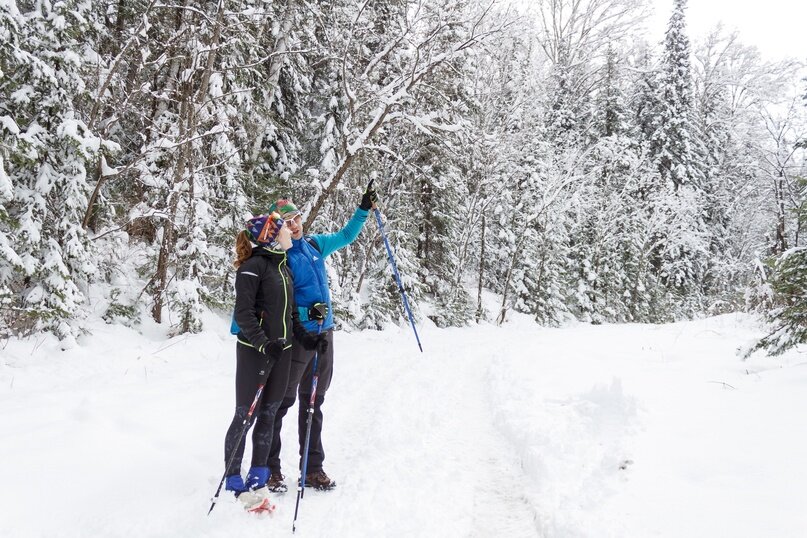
(330, 243)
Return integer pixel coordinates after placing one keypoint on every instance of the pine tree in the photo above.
(410, 126)
(51, 148)
(680, 244)
(604, 207)
(789, 315)
(789, 282)
(728, 167)
(196, 151)
(675, 136)
(10, 150)
(498, 93)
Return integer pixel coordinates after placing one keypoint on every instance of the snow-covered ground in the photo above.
(582, 431)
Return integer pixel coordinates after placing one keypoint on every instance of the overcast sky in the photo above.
(777, 27)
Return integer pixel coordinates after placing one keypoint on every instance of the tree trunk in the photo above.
(343, 166)
(169, 237)
(780, 242)
(188, 124)
(507, 279)
(479, 309)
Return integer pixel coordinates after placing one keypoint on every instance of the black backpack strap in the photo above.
(311, 241)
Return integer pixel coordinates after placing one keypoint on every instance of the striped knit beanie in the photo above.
(263, 229)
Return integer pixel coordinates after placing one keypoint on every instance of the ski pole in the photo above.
(238, 444)
(397, 276)
(308, 421)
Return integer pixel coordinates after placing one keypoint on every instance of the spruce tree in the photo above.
(728, 169)
(50, 152)
(675, 136)
(680, 245)
(788, 284)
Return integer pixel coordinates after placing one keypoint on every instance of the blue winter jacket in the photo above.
(307, 264)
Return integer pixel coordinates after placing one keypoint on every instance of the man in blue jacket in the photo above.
(306, 259)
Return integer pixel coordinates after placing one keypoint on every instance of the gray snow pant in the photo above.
(300, 379)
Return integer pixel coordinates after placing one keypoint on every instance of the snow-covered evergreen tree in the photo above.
(676, 135)
(667, 121)
(788, 282)
(564, 165)
(605, 207)
(50, 150)
(722, 65)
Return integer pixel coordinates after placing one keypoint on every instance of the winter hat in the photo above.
(263, 229)
(285, 207)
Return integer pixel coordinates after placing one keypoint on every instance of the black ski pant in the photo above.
(253, 369)
(300, 379)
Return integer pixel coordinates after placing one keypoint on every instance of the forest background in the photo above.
(554, 156)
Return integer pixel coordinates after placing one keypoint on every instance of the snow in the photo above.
(6, 186)
(77, 131)
(107, 170)
(8, 123)
(609, 430)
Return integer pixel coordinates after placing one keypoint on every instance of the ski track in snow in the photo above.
(408, 437)
(422, 449)
(611, 431)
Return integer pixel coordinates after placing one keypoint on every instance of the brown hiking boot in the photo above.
(319, 480)
(277, 483)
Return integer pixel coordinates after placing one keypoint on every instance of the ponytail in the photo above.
(243, 249)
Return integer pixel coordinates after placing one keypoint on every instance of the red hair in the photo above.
(243, 248)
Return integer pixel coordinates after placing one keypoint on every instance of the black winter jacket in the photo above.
(264, 299)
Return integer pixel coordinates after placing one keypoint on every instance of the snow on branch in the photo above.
(394, 99)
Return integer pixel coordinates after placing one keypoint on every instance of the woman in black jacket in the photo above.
(267, 319)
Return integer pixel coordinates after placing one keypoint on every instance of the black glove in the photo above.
(369, 197)
(322, 344)
(318, 311)
(273, 350)
(313, 342)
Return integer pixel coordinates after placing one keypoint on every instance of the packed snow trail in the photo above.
(422, 449)
(621, 430)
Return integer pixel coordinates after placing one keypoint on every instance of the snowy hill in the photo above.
(582, 431)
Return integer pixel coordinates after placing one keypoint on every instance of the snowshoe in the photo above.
(319, 480)
(277, 484)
